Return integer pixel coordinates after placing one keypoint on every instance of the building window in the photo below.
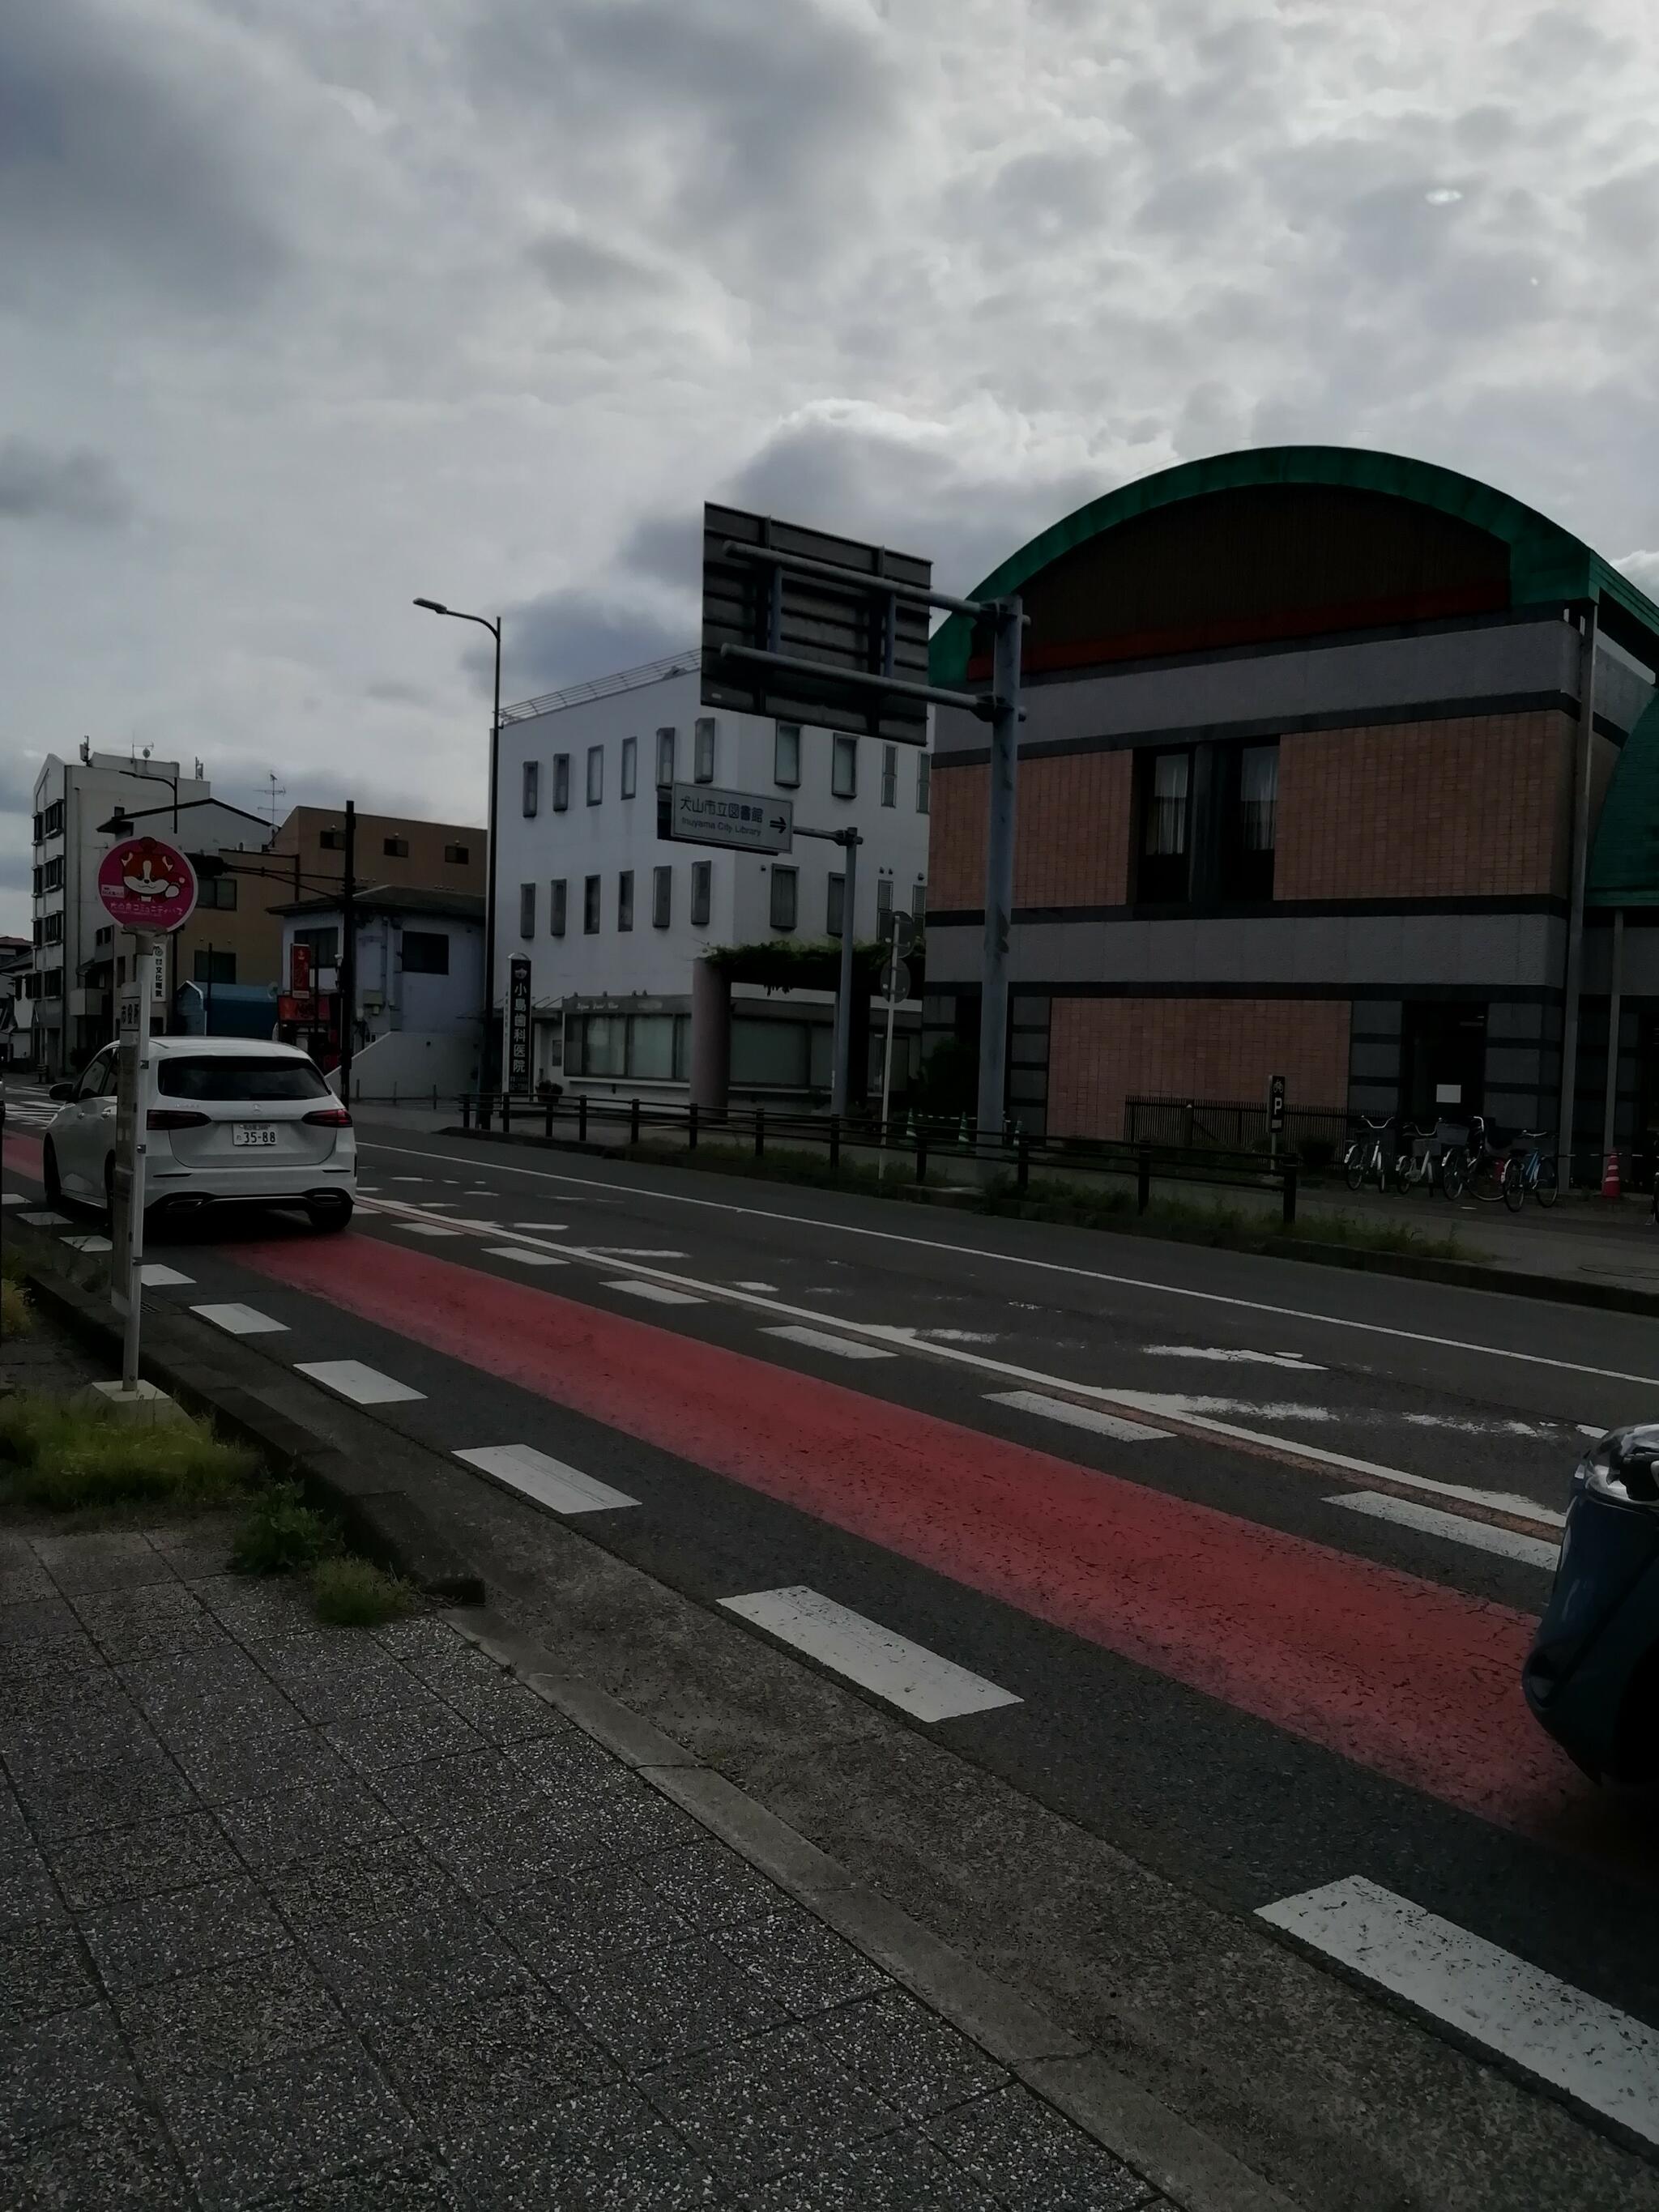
(561, 783)
(630, 767)
(591, 906)
(924, 781)
(655, 1048)
(625, 899)
(208, 966)
(595, 774)
(835, 906)
(889, 776)
(662, 897)
(884, 900)
(457, 856)
(1247, 857)
(783, 898)
(785, 755)
(527, 909)
(844, 768)
(426, 952)
(218, 891)
(324, 946)
(532, 785)
(702, 877)
(54, 875)
(919, 901)
(39, 882)
(664, 759)
(395, 848)
(557, 899)
(40, 827)
(703, 749)
(37, 931)
(331, 841)
(106, 935)
(54, 824)
(1165, 828)
(52, 927)
(52, 983)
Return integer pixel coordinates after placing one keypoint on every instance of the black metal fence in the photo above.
(1317, 1134)
(917, 1142)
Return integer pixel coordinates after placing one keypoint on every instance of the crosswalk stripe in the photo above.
(820, 1340)
(1079, 1417)
(363, 1386)
(93, 1243)
(1603, 2058)
(918, 1682)
(240, 1320)
(154, 1277)
(46, 1220)
(550, 1482)
(1429, 1520)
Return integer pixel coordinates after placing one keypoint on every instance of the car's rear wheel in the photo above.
(329, 1214)
(50, 1176)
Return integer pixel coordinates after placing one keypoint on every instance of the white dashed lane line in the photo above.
(659, 1293)
(363, 1386)
(543, 1228)
(427, 1228)
(820, 1340)
(549, 1482)
(524, 1256)
(918, 1682)
(1429, 1520)
(1079, 1417)
(241, 1320)
(1602, 2058)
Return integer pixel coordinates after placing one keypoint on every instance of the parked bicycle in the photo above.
(1475, 1167)
(1364, 1159)
(1530, 1171)
(1420, 1161)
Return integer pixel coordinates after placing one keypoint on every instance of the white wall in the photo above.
(621, 834)
(390, 998)
(404, 1062)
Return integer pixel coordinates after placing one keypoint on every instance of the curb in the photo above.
(1171, 2155)
(387, 1525)
(1456, 1274)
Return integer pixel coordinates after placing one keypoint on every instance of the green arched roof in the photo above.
(1546, 561)
(1624, 865)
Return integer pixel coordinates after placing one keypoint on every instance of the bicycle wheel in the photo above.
(1549, 1186)
(1513, 1183)
(1486, 1179)
(1353, 1166)
(1454, 1173)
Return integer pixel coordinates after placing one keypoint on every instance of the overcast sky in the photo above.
(307, 307)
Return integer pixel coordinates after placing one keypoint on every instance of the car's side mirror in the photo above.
(61, 1090)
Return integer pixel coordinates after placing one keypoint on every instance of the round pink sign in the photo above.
(145, 885)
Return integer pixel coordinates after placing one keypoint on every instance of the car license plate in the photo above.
(253, 1133)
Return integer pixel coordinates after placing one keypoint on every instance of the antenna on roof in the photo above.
(276, 791)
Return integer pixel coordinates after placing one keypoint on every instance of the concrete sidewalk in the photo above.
(327, 1918)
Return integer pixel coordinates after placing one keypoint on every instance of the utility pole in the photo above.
(488, 1055)
(347, 978)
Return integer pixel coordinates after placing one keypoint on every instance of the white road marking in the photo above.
(87, 1243)
(409, 1178)
(634, 1252)
(562, 1489)
(658, 1291)
(1586, 1429)
(546, 1228)
(363, 1386)
(156, 1276)
(46, 1220)
(524, 1255)
(427, 1228)
(1601, 2058)
(820, 1340)
(240, 1320)
(916, 1680)
(1429, 1520)
(1004, 1259)
(1077, 1416)
(765, 1289)
(12, 1198)
(1230, 1357)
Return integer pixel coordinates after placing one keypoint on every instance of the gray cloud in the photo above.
(578, 268)
(572, 636)
(37, 484)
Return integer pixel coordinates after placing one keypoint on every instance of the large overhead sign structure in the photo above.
(778, 633)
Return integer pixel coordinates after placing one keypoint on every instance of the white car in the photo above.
(232, 1122)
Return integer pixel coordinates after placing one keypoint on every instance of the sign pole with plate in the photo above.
(149, 887)
(895, 986)
(518, 1023)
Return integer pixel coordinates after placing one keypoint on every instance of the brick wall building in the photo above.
(1307, 787)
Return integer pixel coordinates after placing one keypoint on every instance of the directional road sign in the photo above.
(742, 821)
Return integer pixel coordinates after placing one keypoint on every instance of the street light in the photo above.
(487, 1048)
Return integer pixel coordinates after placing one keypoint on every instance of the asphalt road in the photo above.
(1240, 1553)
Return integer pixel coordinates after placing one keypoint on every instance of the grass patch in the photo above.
(16, 1314)
(355, 1593)
(67, 1458)
(282, 1533)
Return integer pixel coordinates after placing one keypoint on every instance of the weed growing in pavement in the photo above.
(282, 1534)
(16, 1314)
(356, 1593)
(70, 1458)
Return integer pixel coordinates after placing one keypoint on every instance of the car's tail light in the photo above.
(174, 1117)
(331, 1117)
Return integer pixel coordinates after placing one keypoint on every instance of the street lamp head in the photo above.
(432, 606)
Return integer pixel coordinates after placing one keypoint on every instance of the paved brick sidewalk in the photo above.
(316, 1917)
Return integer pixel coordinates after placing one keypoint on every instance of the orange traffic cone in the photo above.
(1611, 1186)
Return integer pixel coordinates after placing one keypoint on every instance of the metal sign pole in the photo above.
(127, 1197)
(841, 1081)
(999, 866)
